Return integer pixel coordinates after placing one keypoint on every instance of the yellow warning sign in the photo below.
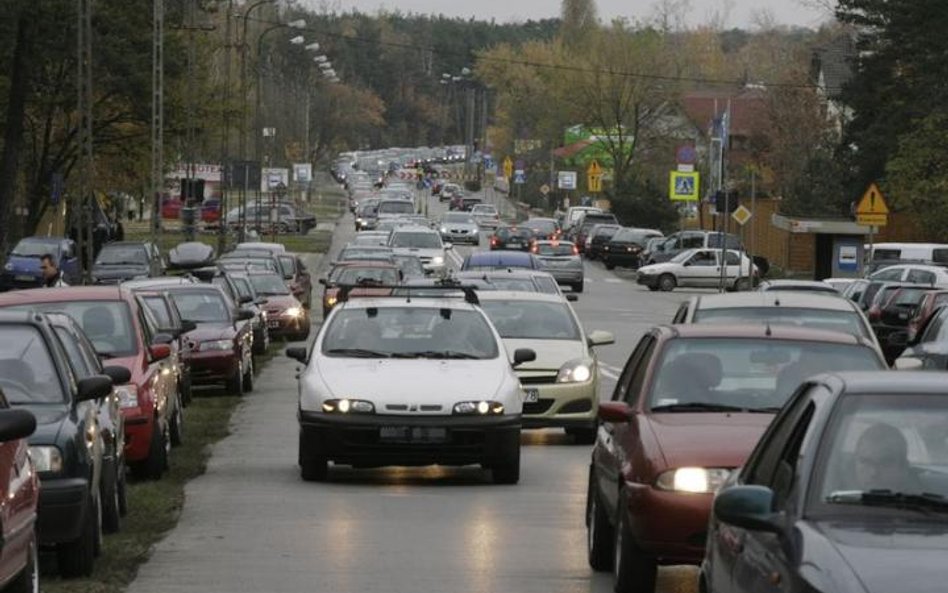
(594, 169)
(872, 209)
(508, 167)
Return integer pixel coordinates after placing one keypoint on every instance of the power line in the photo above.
(548, 66)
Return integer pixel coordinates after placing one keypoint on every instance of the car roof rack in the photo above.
(447, 285)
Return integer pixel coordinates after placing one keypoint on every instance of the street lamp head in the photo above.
(465, 71)
(455, 79)
(325, 65)
(446, 76)
(297, 24)
(320, 59)
(312, 47)
(298, 40)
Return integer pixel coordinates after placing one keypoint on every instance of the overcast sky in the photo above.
(737, 13)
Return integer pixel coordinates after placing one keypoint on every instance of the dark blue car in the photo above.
(846, 492)
(500, 260)
(22, 268)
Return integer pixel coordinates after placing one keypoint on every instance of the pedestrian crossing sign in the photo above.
(683, 186)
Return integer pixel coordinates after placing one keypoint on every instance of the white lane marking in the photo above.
(608, 373)
(614, 280)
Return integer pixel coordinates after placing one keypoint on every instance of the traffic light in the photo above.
(192, 190)
(728, 201)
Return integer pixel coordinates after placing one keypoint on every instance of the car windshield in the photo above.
(409, 332)
(746, 374)
(202, 307)
(532, 320)
(350, 275)
(457, 217)
(633, 236)
(34, 249)
(112, 255)
(418, 240)
(410, 265)
(108, 324)
(847, 322)
(563, 248)
(396, 207)
(27, 372)
(268, 284)
(886, 451)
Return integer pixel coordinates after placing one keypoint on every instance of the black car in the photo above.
(599, 236)
(67, 447)
(846, 492)
(511, 238)
(581, 230)
(929, 348)
(125, 260)
(624, 249)
(542, 229)
(250, 300)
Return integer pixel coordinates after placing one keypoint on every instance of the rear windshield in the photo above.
(356, 275)
(532, 320)
(268, 284)
(847, 322)
(418, 240)
(27, 372)
(128, 255)
(396, 207)
(508, 232)
(541, 226)
(108, 324)
(34, 249)
(564, 248)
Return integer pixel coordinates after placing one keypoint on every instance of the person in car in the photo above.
(881, 461)
(52, 277)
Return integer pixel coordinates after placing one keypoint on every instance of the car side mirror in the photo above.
(908, 363)
(245, 315)
(244, 299)
(323, 281)
(162, 338)
(572, 297)
(615, 412)
(95, 387)
(260, 301)
(748, 507)
(119, 375)
(159, 351)
(16, 424)
(687, 264)
(297, 353)
(187, 326)
(449, 245)
(523, 355)
(600, 338)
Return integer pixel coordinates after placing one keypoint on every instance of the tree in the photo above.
(917, 174)
(579, 19)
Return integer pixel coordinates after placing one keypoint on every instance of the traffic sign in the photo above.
(520, 177)
(742, 215)
(683, 187)
(566, 180)
(872, 209)
(508, 167)
(686, 155)
(594, 184)
(544, 189)
(594, 168)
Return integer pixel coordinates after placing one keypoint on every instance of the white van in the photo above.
(882, 254)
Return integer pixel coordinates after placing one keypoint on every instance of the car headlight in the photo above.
(127, 396)
(47, 459)
(444, 231)
(437, 260)
(331, 301)
(217, 345)
(293, 312)
(479, 408)
(575, 371)
(475, 231)
(348, 406)
(696, 480)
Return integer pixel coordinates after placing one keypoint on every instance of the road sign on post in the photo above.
(742, 215)
(872, 209)
(508, 167)
(594, 178)
(683, 186)
(566, 180)
(519, 177)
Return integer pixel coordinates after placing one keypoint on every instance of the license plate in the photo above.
(413, 434)
(531, 396)
(24, 278)
(514, 243)
(273, 323)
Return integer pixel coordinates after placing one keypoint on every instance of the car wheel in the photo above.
(176, 426)
(579, 286)
(610, 266)
(282, 228)
(154, 466)
(583, 436)
(28, 579)
(506, 470)
(185, 387)
(235, 385)
(121, 481)
(599, 536)
(248, 378)
(742, 284)
(76, 558)
(97, 545)
(667, 282)
(314, 467)
(633, 571)
(111, 513)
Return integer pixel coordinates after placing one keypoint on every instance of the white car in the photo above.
(913, 273)
(410, 381)
(486, 215)
(425, 243)
(700, 268)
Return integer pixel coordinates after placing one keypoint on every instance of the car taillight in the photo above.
(575, 250)
(875, 314)
(534, 249)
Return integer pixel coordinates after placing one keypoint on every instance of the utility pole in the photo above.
(469, 132)
(157, 117)
(226, 168)
(84, 199)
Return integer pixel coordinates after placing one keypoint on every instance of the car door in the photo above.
(734, 268)
(759, 561)
(700, 270)
(613, 444)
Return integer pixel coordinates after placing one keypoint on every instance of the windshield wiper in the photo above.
(120, 263)
(924, 501)
(438, 354)
(359, 353)
(698, 407)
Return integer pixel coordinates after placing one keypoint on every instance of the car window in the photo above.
(921, 277)
(848, 322)
(630, 382)
(786, 470)
(159, 308)
(27, 371)
(417, 240)
(747, 373)
(547, 285)
(890, 274)
(78, 362)
(202, 307)
(704, 259)
(732, 259)
(108, 324)
(287, 265)
(762, 465)
(268, 284)
(563, 248)
(692, 242)
(409, 332)
(537, 320)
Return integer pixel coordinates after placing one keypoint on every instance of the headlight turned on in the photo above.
(47, 459)
(479, 408)
(348, 406)
(575, 371)
(215, 345)
(293, 312)
(694, 480)
(127, 396)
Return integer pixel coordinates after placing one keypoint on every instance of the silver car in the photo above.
(562, 260)
(486, 215)
(459, 227)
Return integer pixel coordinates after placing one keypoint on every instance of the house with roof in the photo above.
(831, 68)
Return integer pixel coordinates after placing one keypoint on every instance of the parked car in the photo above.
(891, 326)
(249, 299)
(19, 557)
(286, 316)
(598, 236)
(211, 211)
(459, 227)
(281, 218)
(581, 229)
(500, 260)
(844, 492)
(932, 300)
(297, 278)
(123, 333)
(700, 268)
(928, 350)
(511, 237)
(625, 248)
(169, 324)
(222, 343)
(562, 260)
(688, 408)
(913, 273)
(35, 376)
(685, 240)
(126, 260)
(22, 269)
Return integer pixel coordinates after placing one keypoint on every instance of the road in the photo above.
(251, 524)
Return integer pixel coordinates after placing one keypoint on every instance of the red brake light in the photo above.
(575, 250)
(534, 248)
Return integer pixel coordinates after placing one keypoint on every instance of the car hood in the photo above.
(551, 354)
(106, 272)
(280, 302)
(707, 440)
(211, 331)
(419, 251)
(49, 422)
(446, 381)
(23, 265)
(658, 268)
(459, 226)
(891, 555)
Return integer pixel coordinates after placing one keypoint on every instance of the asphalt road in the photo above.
(251, 524)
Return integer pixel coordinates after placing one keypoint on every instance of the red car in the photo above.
(931, 302)
(122, 333)
(689, 407)
(286, 316)
(171, 208)
(19, 488)
(358, 272)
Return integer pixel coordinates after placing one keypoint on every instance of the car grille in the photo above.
(538, 407)
(458, 231)
(425, 409)
(538, 380)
